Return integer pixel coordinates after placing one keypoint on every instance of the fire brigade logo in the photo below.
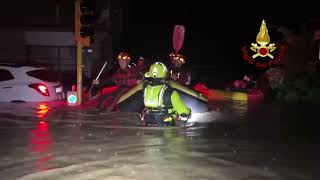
(263, 54)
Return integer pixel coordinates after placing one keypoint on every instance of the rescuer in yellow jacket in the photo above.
(163, 105)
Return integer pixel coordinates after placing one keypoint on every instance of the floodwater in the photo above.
(234, 141)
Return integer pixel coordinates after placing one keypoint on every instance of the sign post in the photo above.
(72, 99)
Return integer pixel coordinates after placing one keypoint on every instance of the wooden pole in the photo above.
(79, 72)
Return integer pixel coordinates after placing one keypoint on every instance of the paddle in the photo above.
(178, 37)
(104, 65)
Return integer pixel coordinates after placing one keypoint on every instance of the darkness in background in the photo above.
(215, 32)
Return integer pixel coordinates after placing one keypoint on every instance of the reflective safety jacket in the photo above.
(166, 99)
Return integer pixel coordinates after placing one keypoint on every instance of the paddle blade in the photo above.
(178, 37)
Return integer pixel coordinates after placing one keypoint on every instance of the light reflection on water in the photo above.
(40, 144)
(40, 140)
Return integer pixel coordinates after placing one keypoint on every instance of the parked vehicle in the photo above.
(21, 83)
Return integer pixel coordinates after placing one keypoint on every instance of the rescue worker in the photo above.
(163, 105)
(250, 81)
(141, 66)
(124, 77)
(242, 85)
(177, 72)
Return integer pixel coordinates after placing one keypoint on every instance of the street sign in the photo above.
(72, 98)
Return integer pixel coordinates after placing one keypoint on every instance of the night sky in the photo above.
(215, 32)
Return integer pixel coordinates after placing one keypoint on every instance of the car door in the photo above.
(6, 87)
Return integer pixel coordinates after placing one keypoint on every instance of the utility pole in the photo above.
(79, 73)
(79, 52)
(84, 30)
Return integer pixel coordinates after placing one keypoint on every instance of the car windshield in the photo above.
(44, 74)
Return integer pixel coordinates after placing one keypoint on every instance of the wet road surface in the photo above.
(233, 141)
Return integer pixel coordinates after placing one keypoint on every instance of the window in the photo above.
(5, 75)
(44, 75)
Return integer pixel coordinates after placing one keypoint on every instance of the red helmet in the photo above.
(124, 56)
(177, 57)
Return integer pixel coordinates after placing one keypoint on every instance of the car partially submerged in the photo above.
(22, 83)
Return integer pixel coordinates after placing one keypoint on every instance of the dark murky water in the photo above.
(234, 141)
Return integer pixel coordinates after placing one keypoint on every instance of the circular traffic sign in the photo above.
(72, 99)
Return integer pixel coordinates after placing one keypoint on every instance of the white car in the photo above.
(28, 84)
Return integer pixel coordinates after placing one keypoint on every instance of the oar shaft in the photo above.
(104, 65)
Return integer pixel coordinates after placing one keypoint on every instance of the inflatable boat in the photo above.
(132, 101)
(251, 95)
